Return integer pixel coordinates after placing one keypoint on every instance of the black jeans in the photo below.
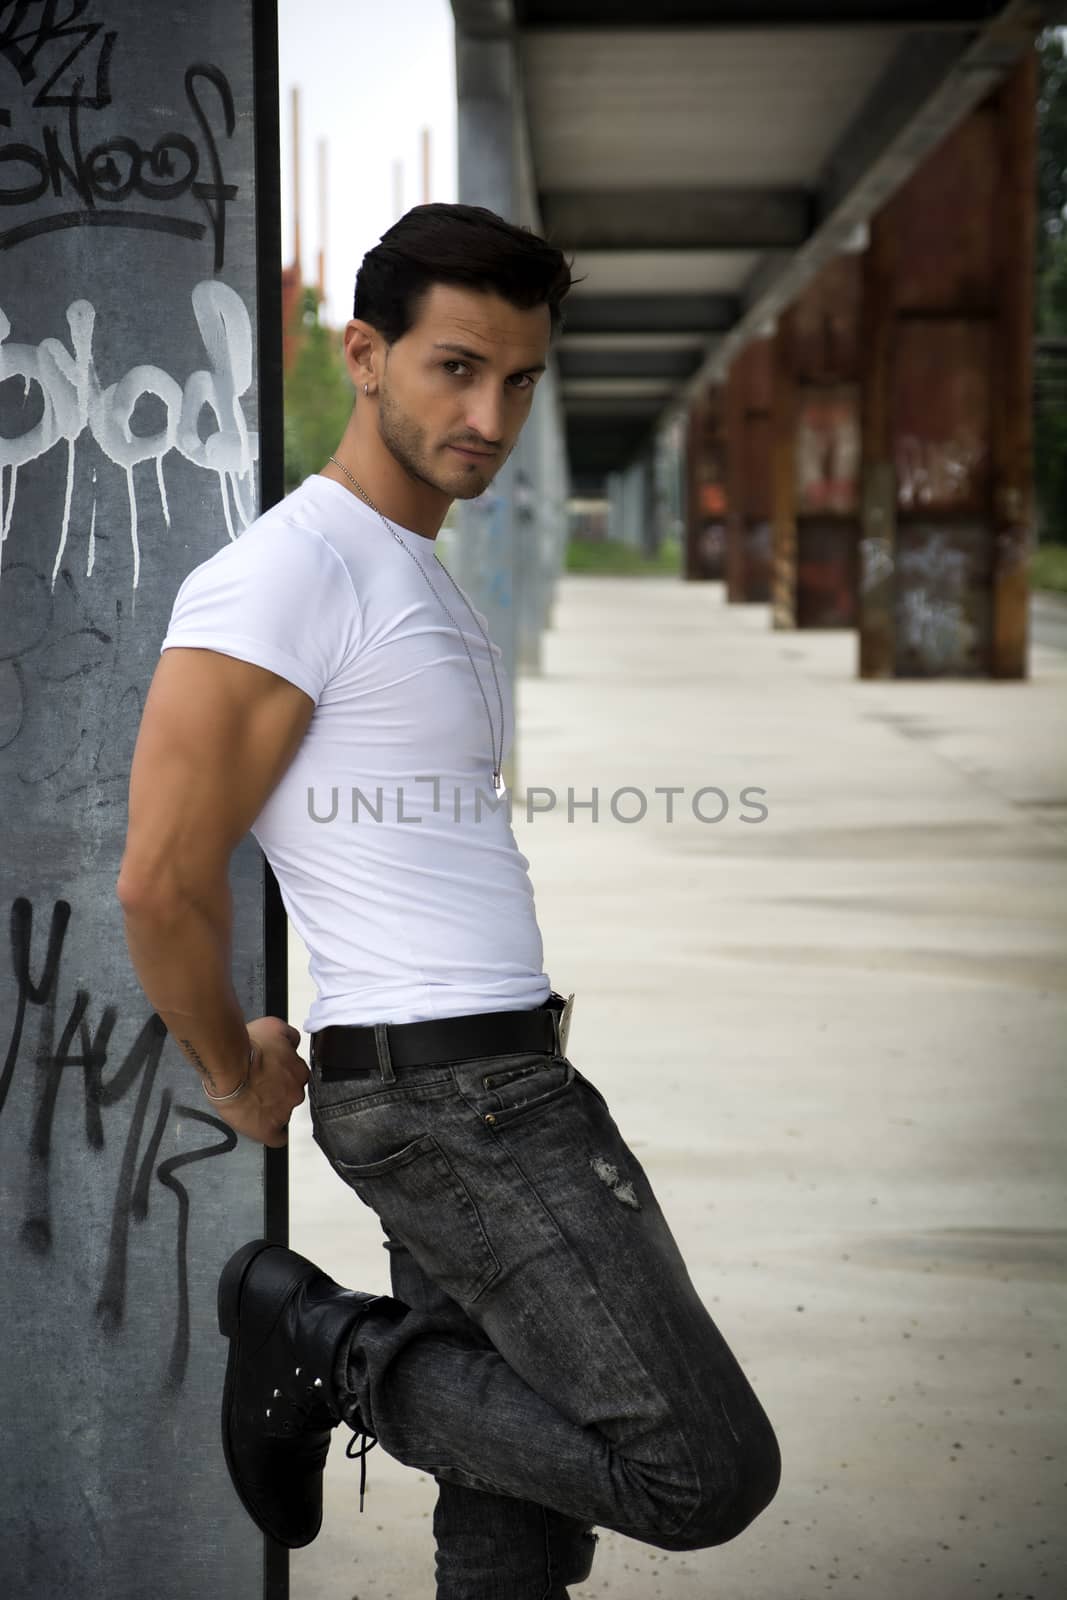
(544, 1355)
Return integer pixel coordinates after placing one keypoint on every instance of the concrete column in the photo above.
(947, 503)
(123, 1191)
(749, 497)
(480, 550)
(506, 548)
(540, 515)
(629, 494)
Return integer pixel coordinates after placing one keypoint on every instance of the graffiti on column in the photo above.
(127, 385)
(68, 1043)
(74, 403)
(828, 450)
(54, 56)
(936, 597)
(65, 62)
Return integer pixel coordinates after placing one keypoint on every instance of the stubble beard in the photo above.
(406, 442)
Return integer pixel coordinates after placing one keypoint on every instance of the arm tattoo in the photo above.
(201, 1066)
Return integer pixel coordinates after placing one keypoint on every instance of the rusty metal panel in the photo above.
(942, 411)
(827, 563)
(750, 472)
(877, 650)
(706, 545)
(783, 475)
(756, 551)
(756, 466)
(828, 449)
(1013, 494)
(943, 599)
(945, 220)
(757, 374)
(827, 324)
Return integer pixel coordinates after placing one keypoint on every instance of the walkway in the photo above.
(835, 1039)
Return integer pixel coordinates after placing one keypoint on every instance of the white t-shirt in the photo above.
(396, 861)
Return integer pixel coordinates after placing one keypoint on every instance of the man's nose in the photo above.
(485, 416)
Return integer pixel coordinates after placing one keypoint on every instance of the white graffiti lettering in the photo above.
(73, 401)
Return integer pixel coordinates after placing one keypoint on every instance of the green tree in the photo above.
(318, 394)
(1051, 144)
(1050, 393)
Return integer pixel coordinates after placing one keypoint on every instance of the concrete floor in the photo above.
(836, 1039)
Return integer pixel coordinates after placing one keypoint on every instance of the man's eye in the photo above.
(526, 379)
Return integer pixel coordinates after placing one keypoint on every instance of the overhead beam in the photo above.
(650, 313)
(930, 86)
(605, 429)
(650, 390)
(673, 364)
(649, 341)
(535, 14)
(678, 219)
(607, 453)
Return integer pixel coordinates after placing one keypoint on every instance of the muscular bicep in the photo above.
(216, 737)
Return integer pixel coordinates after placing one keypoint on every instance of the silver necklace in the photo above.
(498, 783)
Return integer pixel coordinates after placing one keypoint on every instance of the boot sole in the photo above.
(231, 1283)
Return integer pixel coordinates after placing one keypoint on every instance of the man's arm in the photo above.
(216, 737)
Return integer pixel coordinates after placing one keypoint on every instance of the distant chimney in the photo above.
(296, 181)
(425, 166)
(322, 220)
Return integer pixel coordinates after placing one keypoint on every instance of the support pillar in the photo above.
(507, 548)
(480, 551)
(948, 503)
(140, 431)
(749, 498)
(706, 472)
(783, 473)
(1013, 485)
(826, 449)
(876, 616)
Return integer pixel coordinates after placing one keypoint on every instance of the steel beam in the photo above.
(650, 313)
(931, 84)
(627, 363)
(537, 14)
(678, 219)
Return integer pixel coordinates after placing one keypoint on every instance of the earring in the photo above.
(365, 388)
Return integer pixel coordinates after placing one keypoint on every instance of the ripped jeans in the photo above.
(544, 1353)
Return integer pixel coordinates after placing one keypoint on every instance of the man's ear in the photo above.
(362, 352)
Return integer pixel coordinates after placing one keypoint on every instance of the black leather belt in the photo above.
(342, 1050)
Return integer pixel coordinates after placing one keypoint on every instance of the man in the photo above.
(544, 1353)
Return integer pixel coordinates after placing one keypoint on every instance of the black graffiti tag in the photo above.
(36, 39)
(80, 1046)
(58, 53)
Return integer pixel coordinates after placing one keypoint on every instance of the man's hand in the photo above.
(275, 1085)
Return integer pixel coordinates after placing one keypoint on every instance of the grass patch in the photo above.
(1048, 569)
(610, 558)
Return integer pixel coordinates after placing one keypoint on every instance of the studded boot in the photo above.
(285, 1320)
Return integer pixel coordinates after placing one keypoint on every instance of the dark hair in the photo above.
(465, 245)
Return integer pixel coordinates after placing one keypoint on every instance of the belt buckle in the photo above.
(563, 1023)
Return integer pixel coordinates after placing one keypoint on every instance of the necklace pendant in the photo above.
(498, 784)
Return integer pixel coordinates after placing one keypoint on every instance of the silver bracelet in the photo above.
(240, 1087)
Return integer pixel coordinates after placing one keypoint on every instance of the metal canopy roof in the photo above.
(702, 159)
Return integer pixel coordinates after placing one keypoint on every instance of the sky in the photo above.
(370, 77)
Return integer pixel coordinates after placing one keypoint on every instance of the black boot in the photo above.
(285, 1320)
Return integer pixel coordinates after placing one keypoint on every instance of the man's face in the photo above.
(457, 388)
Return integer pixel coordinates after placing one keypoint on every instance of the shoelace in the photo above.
(369, 1441)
